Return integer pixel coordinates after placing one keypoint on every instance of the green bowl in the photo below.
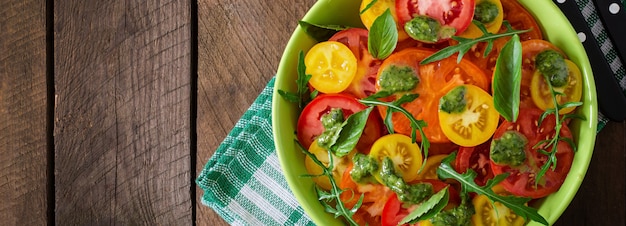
(555, 27)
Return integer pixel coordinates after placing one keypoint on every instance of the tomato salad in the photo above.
(470, 137)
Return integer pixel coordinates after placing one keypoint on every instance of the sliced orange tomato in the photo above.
(406, 155)
(430, 169)
(436, 79)
(332, 66)
(542, 97)
(374, 198)
(493, 27)
(486, 214)
(476, 123)
(339, 165)
(379, 7)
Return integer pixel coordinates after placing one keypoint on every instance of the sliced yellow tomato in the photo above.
(406, 155)
(379, 7)
(339, 165)
(430, 169)
(332, 66)
(475, 123)
(542, 97)
(493, 27)
(486, 214)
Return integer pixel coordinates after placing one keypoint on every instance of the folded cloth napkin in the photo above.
(243, 181)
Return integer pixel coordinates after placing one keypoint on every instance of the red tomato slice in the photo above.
(454, 13)
(436, 79)
(477, 159)
(362, 84)
(521, 179)
(310, 126)
(520, 19)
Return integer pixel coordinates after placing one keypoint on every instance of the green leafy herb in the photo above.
(516, 204)
(320, 32)
(350, 133)
(383, 36)
(507, 79)
(302, 96)
(328, 198)
(368, 6)
(428, 208)
(395, 106)
(465, 44)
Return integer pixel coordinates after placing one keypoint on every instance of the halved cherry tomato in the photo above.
(379, 7)
(332, 66)
(430, 169)
(530, 49)
(406, 155)
(355, 39)
(521, 179)
(310, 126)
(477, 159)
(374, 198)
(473, 31)
(486, 214)
(542, 96)
(454, 13)
(520, 19)
(476, 123)
(339, 165)
(436, 79)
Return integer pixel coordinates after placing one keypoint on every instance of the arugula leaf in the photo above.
(428, 208)
(320, 32)
(383, 36)
(350, 132)
(465, 44)
(507, 79)
(302, 96)
(516, 204)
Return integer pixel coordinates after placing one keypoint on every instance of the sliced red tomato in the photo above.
(477, 159)
(520, 19)
(362, 84)
(530, 49)
(310, 126)
(455, 13)
(521, 179)
(436, 79)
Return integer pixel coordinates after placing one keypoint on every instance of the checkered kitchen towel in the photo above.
(243, 181)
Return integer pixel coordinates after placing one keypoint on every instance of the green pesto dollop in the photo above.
(509, 149)
(454, 101)
(552, 65)
(398, 79)
(427, 29)
(332, 122)
(407, 193)
(457, 216)
(364, 168)
(486, 12)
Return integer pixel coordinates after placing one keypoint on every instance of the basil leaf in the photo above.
(507, 79)
(428, 208)
(383, 36)
(320, 32)
(350, 133)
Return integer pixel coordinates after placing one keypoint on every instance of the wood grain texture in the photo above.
(240, 43)
(122, 113)
(23, 108)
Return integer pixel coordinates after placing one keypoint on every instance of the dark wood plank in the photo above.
(23, 120)
(239, 46)
(601, 198)
(122, 114)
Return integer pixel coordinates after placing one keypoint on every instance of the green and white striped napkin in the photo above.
(243, 181)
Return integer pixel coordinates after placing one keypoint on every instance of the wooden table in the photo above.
(109, 109)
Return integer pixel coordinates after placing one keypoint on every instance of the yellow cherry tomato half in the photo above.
(493, 27)
(472, 123)
(406, 155)
(572, 90)
(380, 6)
(339, 165)
(430, 169)
(332, 66)
(486, 214)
